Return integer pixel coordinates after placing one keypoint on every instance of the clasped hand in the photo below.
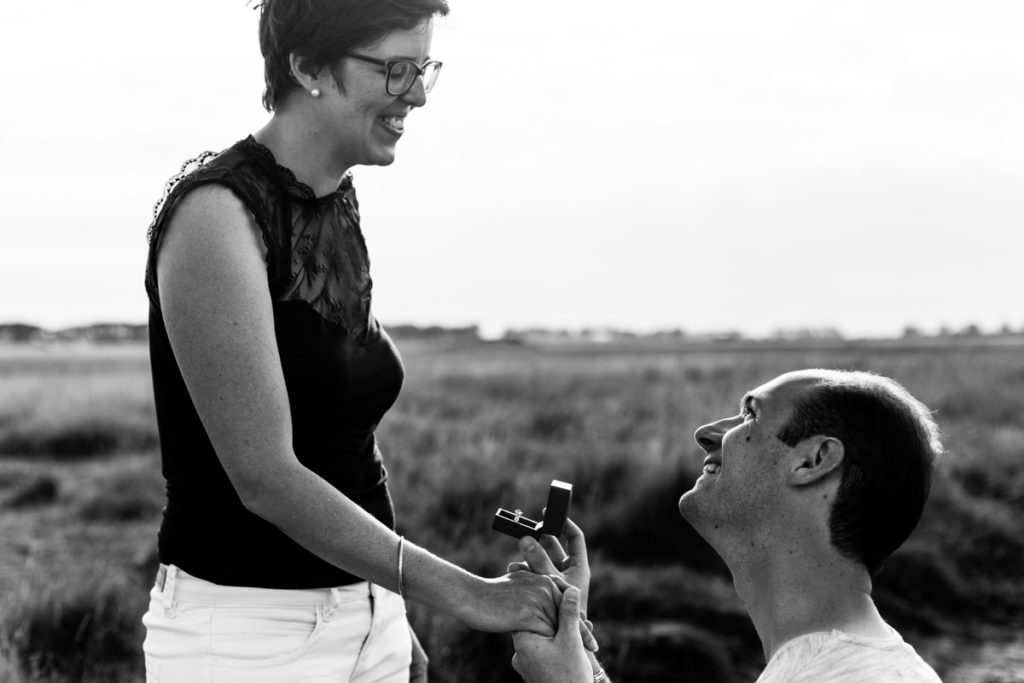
(562, 657)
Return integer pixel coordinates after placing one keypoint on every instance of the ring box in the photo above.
(515, 524)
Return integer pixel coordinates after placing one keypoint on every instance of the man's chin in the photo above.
(688, 505)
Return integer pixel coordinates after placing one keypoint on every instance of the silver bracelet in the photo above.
(401, 556)
(600, 676)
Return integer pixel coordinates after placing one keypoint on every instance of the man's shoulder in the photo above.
(834, 656)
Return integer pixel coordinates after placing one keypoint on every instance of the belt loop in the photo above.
(170, 580)
(161, 576)
(332, 605)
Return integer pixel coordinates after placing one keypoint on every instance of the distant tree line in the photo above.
(98, 333)
(112, 333)
(107, 333)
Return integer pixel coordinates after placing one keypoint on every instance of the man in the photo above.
(804, 493)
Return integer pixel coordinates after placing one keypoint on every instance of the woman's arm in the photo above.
(217, 309)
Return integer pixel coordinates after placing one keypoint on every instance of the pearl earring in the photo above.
(315, 92)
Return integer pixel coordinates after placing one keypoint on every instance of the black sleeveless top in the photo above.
(341, 369)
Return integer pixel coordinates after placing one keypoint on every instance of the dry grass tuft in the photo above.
(76, 631)
(37, 491)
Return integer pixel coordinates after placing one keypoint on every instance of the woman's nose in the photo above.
(417, 94)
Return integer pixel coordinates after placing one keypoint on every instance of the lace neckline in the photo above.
(295, 186)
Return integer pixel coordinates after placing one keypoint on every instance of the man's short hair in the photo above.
(890, 444)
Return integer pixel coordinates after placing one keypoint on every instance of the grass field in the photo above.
(486, 425)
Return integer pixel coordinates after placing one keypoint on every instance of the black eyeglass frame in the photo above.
(389, 64)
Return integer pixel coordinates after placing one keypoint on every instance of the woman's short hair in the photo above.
(890, 444)
(320, 32)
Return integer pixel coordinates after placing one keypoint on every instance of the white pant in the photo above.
(200, 632)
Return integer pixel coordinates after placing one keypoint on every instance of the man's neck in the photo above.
(798, 590)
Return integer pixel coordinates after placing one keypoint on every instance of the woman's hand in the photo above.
(420, 664)
(518, 601)
(558, 659)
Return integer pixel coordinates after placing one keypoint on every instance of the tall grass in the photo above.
(76, 630)
(490, 425)
(75, 403)
(619, 426)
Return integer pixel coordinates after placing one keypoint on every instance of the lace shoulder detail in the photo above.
(187, 169)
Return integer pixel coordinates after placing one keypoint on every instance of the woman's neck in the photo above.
(295, 145)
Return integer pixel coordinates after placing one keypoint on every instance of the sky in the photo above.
(730, 165)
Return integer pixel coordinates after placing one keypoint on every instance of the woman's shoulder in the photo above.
(213, 194)
(210, 203)
(212, 219)
(237, 167)
(236, 175)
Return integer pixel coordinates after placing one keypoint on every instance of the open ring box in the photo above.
(515, 524)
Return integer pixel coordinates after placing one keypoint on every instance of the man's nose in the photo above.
(709, 437)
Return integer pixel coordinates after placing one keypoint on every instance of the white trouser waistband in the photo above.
(175, 585)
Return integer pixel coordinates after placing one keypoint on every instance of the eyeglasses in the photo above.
(402, 73)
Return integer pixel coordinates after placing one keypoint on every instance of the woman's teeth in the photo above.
(394, 123)
(712, 468)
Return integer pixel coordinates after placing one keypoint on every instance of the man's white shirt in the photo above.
(837, 657)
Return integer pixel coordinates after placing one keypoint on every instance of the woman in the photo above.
(270, 375)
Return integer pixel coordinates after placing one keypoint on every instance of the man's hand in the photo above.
(561, 659)
(549, 558)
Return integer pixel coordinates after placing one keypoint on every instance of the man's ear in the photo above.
(814, 459)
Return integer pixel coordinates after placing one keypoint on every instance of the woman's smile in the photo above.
(393, 124)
